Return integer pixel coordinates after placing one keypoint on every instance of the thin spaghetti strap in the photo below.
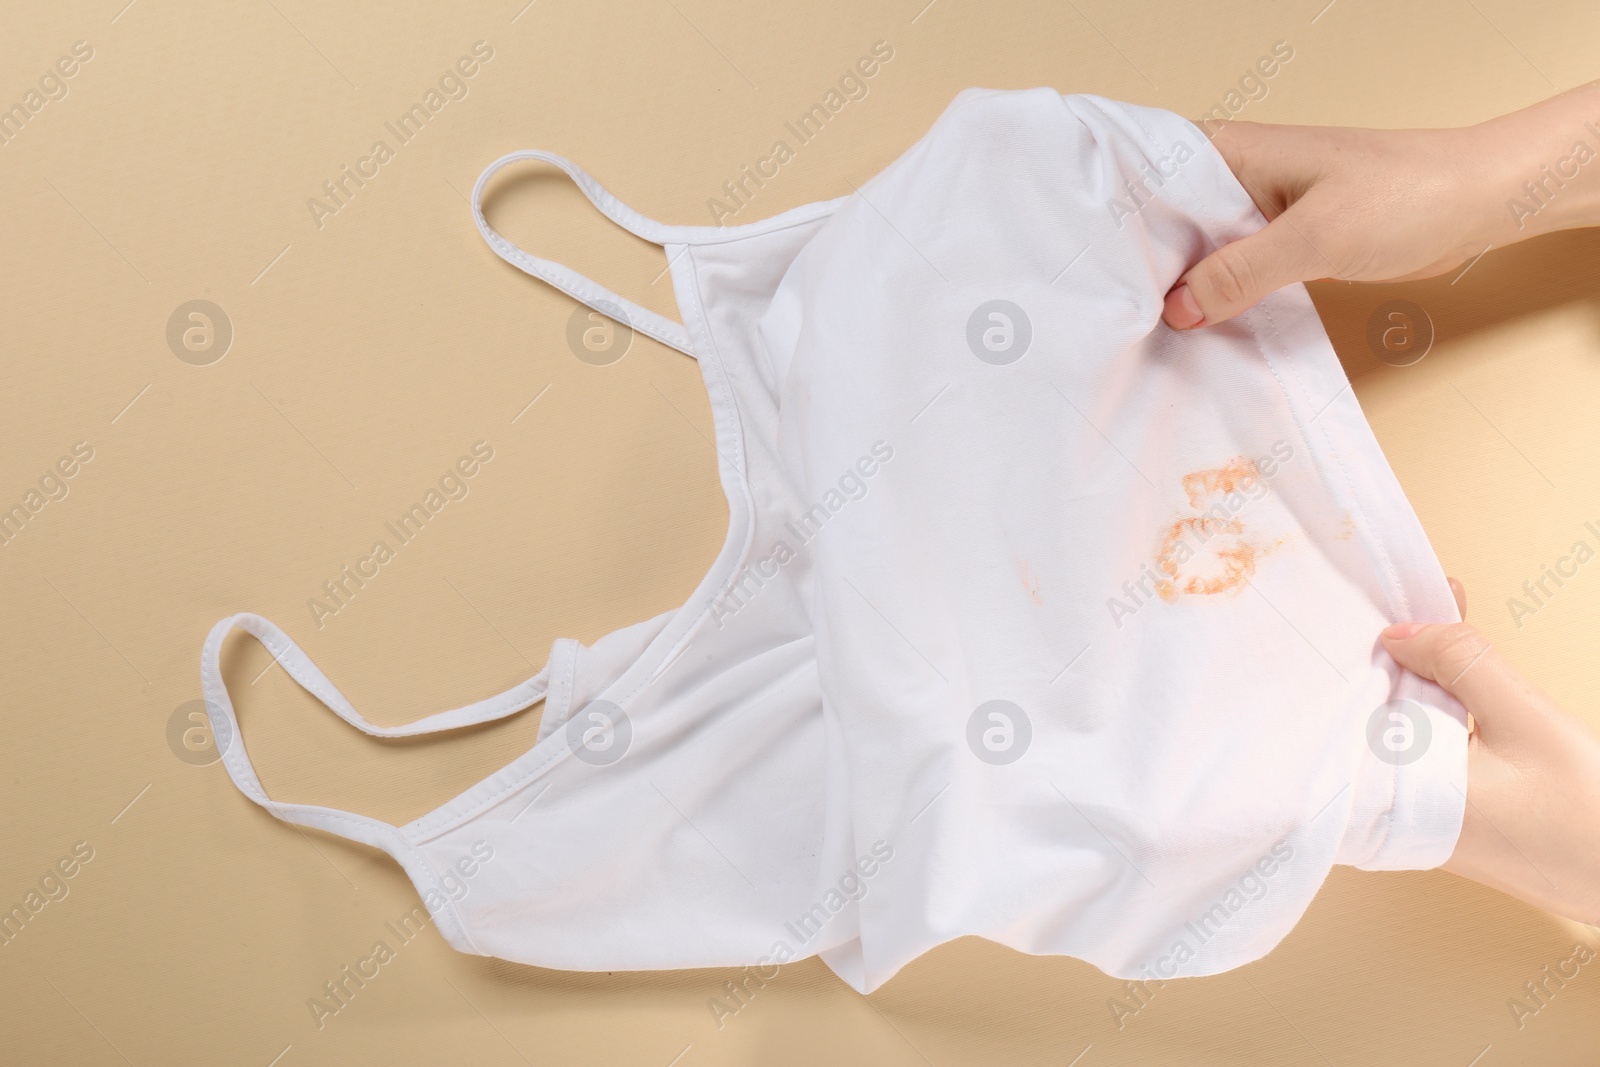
(566, 279)
(362, 828)
(225, 724)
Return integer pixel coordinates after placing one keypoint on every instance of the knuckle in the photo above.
(1232, 278)
(1456, 647)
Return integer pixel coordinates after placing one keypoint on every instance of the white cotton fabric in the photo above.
(939, 681)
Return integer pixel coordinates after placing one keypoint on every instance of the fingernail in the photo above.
(1400, 631)
(1182, 311)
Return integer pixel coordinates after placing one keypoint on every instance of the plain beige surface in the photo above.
(371, 351)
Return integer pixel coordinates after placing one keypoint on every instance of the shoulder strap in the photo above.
(362, 828)
(565, 278)
(219, 704)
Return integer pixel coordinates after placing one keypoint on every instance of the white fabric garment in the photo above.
(1035, 620)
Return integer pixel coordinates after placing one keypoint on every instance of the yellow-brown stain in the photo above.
(1234, 561)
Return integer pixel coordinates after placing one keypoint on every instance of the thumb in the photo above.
(1237, 275)
(1461, 661)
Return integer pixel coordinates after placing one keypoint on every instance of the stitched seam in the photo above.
(401, 842)
(590, 292)
(445, 818)
(559, 709)
(239, 761)
(433, 884)
(1394, 589)
(327, 696)
(831, 205)
(664, 233)
(568, 683)
(719, 383)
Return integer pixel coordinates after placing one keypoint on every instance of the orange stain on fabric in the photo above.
(1208, 554)
(1239, 474)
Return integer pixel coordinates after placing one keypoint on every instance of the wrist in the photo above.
(1542, 166)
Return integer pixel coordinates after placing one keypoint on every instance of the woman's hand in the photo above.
(1393, 205)
(1532, 822)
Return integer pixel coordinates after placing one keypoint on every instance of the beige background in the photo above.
(370, 352)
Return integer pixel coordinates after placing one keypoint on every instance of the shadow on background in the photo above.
(1508, 283)
(1400, 947)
